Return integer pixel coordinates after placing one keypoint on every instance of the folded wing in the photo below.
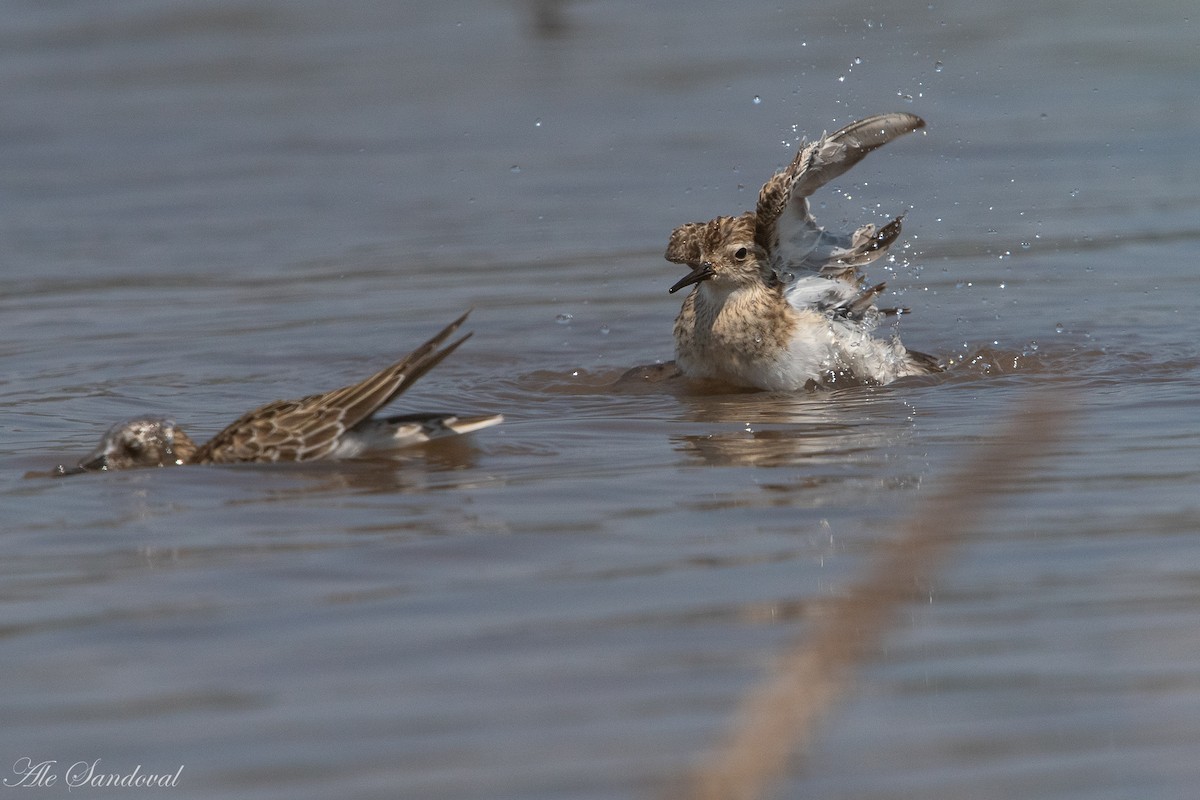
(312, 427)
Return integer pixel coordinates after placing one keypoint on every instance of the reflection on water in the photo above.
(777, 448)
(782, 430)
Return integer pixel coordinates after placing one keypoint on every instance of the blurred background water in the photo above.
(210, 204)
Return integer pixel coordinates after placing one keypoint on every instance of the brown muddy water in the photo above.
(209, 205)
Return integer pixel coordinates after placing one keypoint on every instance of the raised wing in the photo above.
(786, 229)
(310, 428)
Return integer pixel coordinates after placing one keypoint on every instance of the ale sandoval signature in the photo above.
(30, 773)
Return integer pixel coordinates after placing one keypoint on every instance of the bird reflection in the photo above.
(440, 464)
(775, 430)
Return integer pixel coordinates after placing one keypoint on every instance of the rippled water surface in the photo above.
(210, 205)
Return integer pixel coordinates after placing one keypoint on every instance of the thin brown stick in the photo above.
(778, 717)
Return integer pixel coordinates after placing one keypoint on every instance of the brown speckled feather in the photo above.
(684, 247)
(335, 425)
(309, 428)
(778, 302)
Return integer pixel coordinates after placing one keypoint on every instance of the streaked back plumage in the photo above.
(311, 427)
(334, 424)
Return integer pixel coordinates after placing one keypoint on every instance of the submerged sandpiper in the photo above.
(779, 302)
(334, 425)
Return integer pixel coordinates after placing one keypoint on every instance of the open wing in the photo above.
(785, 227)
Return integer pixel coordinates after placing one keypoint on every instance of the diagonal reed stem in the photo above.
(779, 716)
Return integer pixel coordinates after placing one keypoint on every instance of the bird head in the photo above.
(722, 250)
(138, 443)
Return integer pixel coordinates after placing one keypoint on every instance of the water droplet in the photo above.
(908, 98)
(605, 330)
(841, 79)
(938, 66)
(857, 60)
(1025, 245)
(757, 100)
(537, 123)
(1059, 328)
(1074, 193)
(564, 318)
(514, 169)
(1033, 345)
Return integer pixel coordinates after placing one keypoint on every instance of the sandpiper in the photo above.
(779, 302)
(334, 425)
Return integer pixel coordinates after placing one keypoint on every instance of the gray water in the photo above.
(209, 205)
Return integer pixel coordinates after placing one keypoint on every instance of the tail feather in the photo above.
(381, 436)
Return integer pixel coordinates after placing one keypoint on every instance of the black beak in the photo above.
(94, 463)
(699, 273)
(63, 470)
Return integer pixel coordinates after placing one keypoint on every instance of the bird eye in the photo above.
(741, 254)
